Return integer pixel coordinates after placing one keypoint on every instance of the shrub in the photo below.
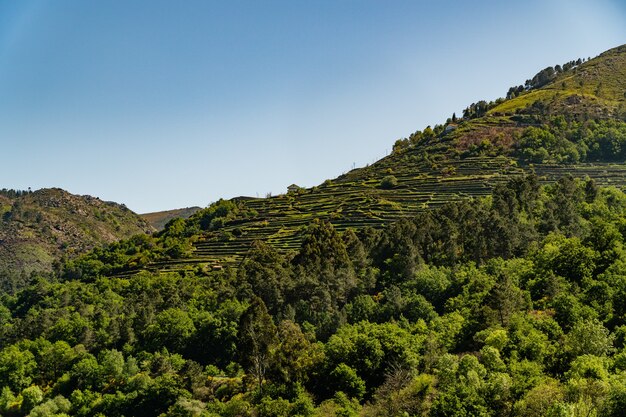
(389, 182)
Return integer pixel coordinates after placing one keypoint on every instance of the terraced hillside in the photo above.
(37, 228)
(567, 120)
(354, 202)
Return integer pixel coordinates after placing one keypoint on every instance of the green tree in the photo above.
(172, 329)
(257, 336)
(294, 358)
(31, 396)
(58, 406)
(16, 368)
(589, 337)
(540, 400)
(86, 373)
(264, 273)
(388, 182)
(322, 247)
(55, 359)
(346, 380)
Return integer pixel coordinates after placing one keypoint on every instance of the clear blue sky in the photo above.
(164, 104)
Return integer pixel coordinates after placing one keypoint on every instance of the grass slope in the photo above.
(596, 88)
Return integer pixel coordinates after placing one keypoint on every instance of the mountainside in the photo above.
(567, 120)
(469, 273)
(593, 89)
(158, 219)
(37, 228)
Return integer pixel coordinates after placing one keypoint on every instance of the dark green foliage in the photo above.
(569, 142)
(264, 273)
(476, 110)
(508, 304)
(257, 334)
(214, 217)
(539, 145)
(172, 329)
(322, 248)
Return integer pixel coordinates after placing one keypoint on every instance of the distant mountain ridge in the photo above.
(40, 227)
(159, 219)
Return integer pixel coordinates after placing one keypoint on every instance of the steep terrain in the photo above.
(159, 219)
(37, 228)
(567, 120)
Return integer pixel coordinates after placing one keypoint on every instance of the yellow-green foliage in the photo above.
(600, 81)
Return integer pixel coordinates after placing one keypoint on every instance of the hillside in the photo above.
(41, 227)
(593, 89)
(478, 270)
(567, 120)
(159, 219)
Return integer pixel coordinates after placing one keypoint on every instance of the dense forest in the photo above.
(511, 304)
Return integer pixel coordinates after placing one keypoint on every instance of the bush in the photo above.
(388, 182)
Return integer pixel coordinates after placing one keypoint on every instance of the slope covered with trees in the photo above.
(507, 305)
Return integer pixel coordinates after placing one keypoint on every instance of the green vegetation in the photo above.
(389, 182)
(553, 127)
(478, 270)
(556, 125)
(509, 304)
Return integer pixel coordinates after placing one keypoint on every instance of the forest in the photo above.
(512, 304)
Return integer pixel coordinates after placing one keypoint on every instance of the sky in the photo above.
(166, 104)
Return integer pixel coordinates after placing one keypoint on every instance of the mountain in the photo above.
(159, 219)
(40, 227)
(469, 273)
(566, 120)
